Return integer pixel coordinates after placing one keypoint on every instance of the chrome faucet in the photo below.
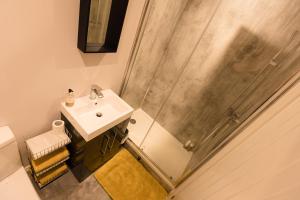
(96, 92)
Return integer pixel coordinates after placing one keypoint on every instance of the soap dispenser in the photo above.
(70, 98)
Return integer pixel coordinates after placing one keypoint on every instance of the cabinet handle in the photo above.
(110, 147)
(106, 145)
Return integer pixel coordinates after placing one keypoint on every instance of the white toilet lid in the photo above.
(18, 186)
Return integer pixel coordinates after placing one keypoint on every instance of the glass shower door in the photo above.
(279, 69)
(192, 85)
(186, 133)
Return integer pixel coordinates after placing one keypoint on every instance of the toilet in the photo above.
(14, 181)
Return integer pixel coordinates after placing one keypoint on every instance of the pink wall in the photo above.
(40, 61)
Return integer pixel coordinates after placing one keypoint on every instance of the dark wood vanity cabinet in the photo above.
(86, 157)
(101, 149)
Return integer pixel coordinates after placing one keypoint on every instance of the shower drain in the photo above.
(132, 121)
(99, 114)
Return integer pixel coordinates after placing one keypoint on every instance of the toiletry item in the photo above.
(70, 98)
(58, 126)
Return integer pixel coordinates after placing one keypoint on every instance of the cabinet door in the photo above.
(114, 145)
(101, 149)
(93, 153)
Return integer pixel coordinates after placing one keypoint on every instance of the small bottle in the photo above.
(70, 98)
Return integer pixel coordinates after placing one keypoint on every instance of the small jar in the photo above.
(70, 100)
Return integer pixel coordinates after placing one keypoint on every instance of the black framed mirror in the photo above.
(100, 25)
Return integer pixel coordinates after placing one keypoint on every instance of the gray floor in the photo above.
(67, 187)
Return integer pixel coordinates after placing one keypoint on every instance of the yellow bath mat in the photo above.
(124, 178)
(49, 160)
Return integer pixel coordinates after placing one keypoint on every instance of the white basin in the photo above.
(92, 118)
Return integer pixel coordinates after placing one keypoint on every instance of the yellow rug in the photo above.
(124, 178)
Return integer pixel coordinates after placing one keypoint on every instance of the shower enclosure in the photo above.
(199, 69)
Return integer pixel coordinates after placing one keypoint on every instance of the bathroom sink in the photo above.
(93, 117)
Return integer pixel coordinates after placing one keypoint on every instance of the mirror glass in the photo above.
(98, 22)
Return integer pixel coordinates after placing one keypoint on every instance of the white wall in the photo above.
(263, 162)
(39, 61)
